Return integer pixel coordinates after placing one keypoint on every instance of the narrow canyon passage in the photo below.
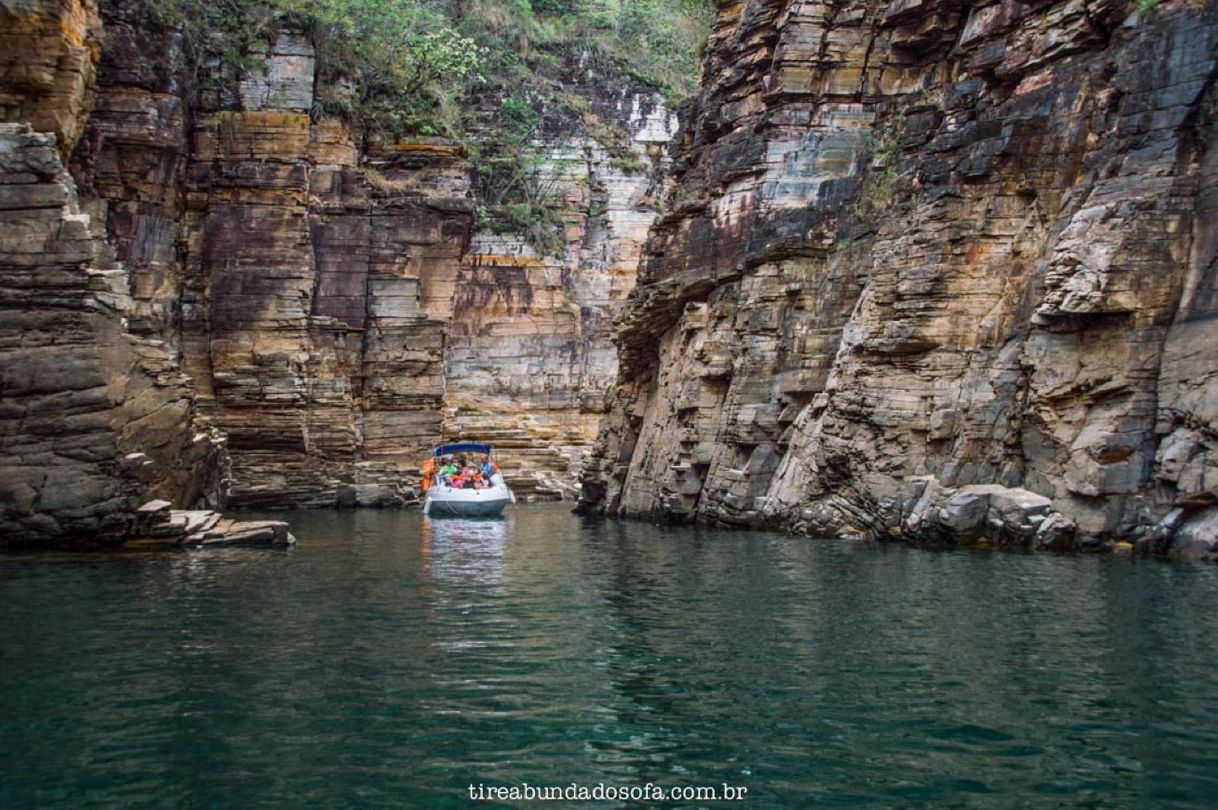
(771, 403)
(939, 273)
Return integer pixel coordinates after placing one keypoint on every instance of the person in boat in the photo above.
(429, 472)
(489, 469)
(469, 475)
(448, 472)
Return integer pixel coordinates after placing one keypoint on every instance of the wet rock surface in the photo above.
(929, 272)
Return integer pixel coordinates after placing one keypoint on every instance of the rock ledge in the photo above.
(159, 525)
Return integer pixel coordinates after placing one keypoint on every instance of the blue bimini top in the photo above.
(453, 449)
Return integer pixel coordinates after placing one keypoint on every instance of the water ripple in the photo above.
(390, 660)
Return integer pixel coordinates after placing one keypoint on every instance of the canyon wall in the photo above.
(529, 351)
(936, 271)
(95, 417)
(235, 295)
(341, 316)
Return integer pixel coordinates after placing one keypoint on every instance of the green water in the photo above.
(388, 661)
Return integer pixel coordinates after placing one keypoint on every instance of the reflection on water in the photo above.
(394, 660)
(467, 548)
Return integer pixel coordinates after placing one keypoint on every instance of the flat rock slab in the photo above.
(204, 528)
(153, 508)
(249, 533)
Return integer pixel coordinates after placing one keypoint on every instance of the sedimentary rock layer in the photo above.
(94, 417)
(340, 316)
(914, 248)
(529, 352)
(48, 60)
(324, 290)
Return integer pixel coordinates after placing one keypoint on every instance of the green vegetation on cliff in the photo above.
(496, 75)
(540, 63)
(429, 67)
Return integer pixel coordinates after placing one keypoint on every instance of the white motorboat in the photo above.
(443, 499)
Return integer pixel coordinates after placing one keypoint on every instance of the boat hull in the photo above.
(483, 508)
(444, 501)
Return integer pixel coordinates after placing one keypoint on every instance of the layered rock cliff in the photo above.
(529, 351)
(341, 316)
(230, 268)
(933, 270)
(95, 417)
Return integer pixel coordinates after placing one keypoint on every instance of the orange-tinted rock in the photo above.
(48, 59)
